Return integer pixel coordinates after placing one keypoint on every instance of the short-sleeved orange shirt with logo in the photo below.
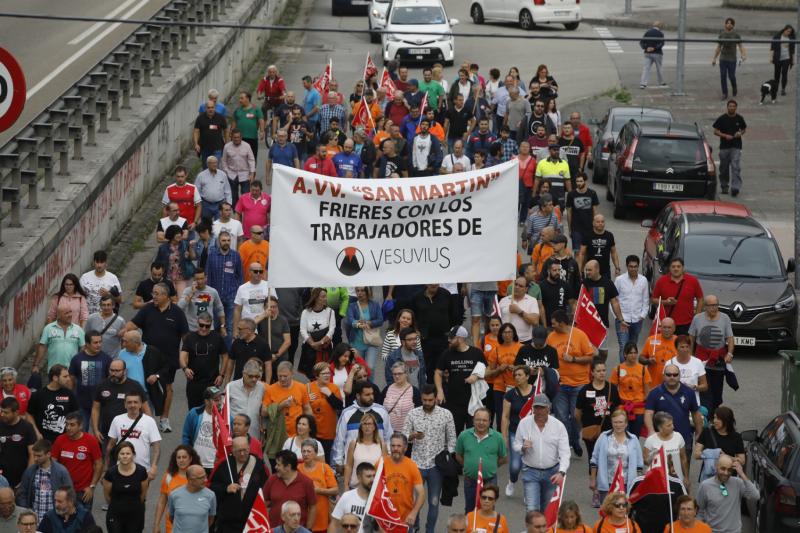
(276, 393)
(323, 477)
(659, 351)
(631, 381)
(506, 355)
(572, 374)
(477, 523)
(400, 481)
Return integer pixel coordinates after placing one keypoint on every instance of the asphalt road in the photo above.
(56, 54)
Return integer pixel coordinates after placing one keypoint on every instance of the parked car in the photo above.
(774, 465)
(654, 163)
(377, 18)
(608, 130)
(736, 258)
(528, 13)
(349, 7)
(426, 33)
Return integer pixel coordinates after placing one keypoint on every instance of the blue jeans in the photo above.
(210, 210)
(370, 355)
(727, 69)
(564, 407)
(538, 488)
(624, 337)
(514, 459)
(469, 491)
(433, 479)
(228, 306)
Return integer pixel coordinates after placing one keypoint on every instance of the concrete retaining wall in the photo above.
(109, 184)
(789, 5)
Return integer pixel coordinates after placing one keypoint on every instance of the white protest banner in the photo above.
(332, 232)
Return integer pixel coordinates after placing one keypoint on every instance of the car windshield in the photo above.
(620, 119)
(669, 151)
(417, 15)
(734, 256)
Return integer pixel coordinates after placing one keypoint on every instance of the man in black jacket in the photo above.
(652, 44)
(432, 308)
(236, 486)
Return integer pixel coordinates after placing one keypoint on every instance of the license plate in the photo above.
(560, 13)
(419, 50)
(744, 341)
(359, 2)
(668, 187)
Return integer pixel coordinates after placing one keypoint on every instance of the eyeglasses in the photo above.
(256, 270)
(256, 232)
(671, 374)
(203, 326)
(488, 498)
(723, 489)
(621, 505)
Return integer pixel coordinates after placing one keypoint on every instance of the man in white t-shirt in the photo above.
(456, 157)
(693, 371)
(355, 501)
(251, 297)
(198, 429)
(228, 223)
(521, 309)
(99, 282)
(173, 218)
(143, 435)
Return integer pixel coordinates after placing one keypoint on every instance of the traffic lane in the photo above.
(56, 54)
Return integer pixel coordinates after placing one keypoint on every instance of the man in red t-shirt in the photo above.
(185, 195)
(319, 164)
(582, 132)
(681, 295)
(80, 454)
(287, 484)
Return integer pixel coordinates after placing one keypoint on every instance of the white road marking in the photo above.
(94, 27)
(611, 45)
(77, 55)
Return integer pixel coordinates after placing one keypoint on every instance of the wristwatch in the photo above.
(562, 473)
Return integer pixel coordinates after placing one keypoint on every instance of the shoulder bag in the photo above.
(371, 336)
(123, 437)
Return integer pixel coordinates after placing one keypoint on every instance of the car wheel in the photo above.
(525, 20)
(476, 12)
(599, 174)
(572, 26)
(620, 213)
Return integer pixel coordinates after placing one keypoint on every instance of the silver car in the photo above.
(377, 18)
(609, 128)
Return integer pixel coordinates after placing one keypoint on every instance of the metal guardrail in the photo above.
(43, 148)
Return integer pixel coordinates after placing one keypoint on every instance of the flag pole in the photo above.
(669, 490)
(658, 324)
(371, 496)
(569, 338)
(477, 495)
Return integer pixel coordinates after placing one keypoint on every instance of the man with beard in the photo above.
(235, 496)
(109, 399)
(200, 357)
(539, 116)
(354, 502)
(347, 163)
(460, 361)
(556, 294)
(224, 271)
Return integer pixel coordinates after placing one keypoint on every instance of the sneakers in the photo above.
(596, 500)
(104, 507)
(643, 86)
(164, 426)
(734, 192)
(510, 489)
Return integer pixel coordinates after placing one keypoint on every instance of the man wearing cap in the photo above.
(521, 309)
(542, 439)
(198, 429)
(538, 353)
(465, 365)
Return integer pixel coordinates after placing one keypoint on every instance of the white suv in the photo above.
(426, 32)
(527, 13)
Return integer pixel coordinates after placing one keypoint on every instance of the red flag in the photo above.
(363, 117)
(370, 69)
(655, 480)
(618, 482)
(221, 433)
(381, 507)
(387, 83)
(661, 314)
(527, 408)
(551, 511)
(324, 81)
(479, 485)
(496, 311)
(538, 387)
(258, 520)
(588, 320)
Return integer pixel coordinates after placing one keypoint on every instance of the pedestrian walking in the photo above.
(782, 58)
(730, 127)
(729, 40)
(652, 43)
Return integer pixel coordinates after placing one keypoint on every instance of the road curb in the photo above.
(644, 25)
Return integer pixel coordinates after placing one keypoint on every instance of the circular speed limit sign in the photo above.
(12, 90)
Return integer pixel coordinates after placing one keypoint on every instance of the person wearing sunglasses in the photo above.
(615, 511)
(719, 498)
(350, 523)
(485, 517)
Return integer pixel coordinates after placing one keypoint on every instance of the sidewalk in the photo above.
(703, 16)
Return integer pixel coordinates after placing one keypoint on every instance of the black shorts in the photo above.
(169, 377)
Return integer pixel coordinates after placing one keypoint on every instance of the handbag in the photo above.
(592, 432)
(371, 336)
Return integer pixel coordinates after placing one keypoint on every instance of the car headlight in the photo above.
(785, 304)
(444, 38)
(391, 37)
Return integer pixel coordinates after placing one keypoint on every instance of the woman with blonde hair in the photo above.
(368, 447)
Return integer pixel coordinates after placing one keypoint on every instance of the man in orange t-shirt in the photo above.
(403, 480)
(254, 250)
(290, 395)
(687, 518)
(658, 349)
(574, 362)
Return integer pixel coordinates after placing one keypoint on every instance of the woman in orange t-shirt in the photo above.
(569, 520)
(616, 507)
(326, 404)
(633, 382)
(502, 366)
(324, 480)
(490, 344)
(175, 477)
(486, 519)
